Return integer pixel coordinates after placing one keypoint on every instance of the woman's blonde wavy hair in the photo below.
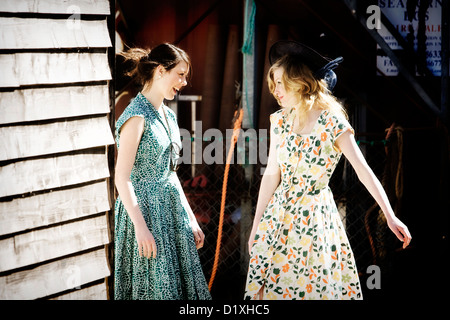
(311, 92)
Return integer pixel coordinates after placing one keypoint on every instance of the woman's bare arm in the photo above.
(130, 136)
(269, 183)
(347, 144)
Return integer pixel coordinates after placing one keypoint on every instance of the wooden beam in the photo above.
(42, 139)
(22, 214)
(19, 69)
(56, 276)
(49, 173)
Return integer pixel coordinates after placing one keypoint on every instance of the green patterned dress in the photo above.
(301, 250)
(176, 272)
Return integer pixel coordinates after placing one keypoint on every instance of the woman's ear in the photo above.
(159, 72)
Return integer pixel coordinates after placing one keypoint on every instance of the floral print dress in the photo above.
(176, 272)
(301, 250)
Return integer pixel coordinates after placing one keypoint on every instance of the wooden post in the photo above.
(248, 105)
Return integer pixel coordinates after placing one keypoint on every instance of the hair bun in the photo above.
(145, 61)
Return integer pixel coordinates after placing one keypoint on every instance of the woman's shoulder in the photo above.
(335, 116)
(277, 115)
(336, 121)
(135, 108)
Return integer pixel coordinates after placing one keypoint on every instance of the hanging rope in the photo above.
(236, 129)
(399, 170)
(389, 177)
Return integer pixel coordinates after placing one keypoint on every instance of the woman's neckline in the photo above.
(313, 130)
(157, 110)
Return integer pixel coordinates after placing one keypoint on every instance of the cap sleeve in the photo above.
(338, 124)
(276, 123)
(132, 110)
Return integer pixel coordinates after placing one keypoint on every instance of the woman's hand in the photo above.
(199, 236)
(400, 230)
(146, 242)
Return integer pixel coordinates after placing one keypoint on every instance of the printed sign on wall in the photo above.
(419, 22)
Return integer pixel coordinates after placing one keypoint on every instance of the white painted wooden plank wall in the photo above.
(21, 69)
(24, 33)
(56, 276)
(55, 105)
(22, 214)
(41, 139)
(56, 6)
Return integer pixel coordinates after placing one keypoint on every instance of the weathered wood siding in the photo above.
(55, 133)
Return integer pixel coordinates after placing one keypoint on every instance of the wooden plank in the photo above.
(56, 276)
(36, 33)
(53, 103)
(48, 173)
(41, 139)
(7, 76)
(95, 292)
(56, 6)
(44, 209)
(27, 68)
(52, 242)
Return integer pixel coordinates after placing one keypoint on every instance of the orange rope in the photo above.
(234, 138)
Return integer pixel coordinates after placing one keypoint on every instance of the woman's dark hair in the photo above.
(144, 61)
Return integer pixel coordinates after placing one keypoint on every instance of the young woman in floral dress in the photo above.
(298, 245)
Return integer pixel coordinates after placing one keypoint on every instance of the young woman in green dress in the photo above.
(156, 232)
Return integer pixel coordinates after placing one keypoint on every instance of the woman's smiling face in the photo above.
(174, 80)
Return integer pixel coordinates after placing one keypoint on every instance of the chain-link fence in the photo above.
(366, 228)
